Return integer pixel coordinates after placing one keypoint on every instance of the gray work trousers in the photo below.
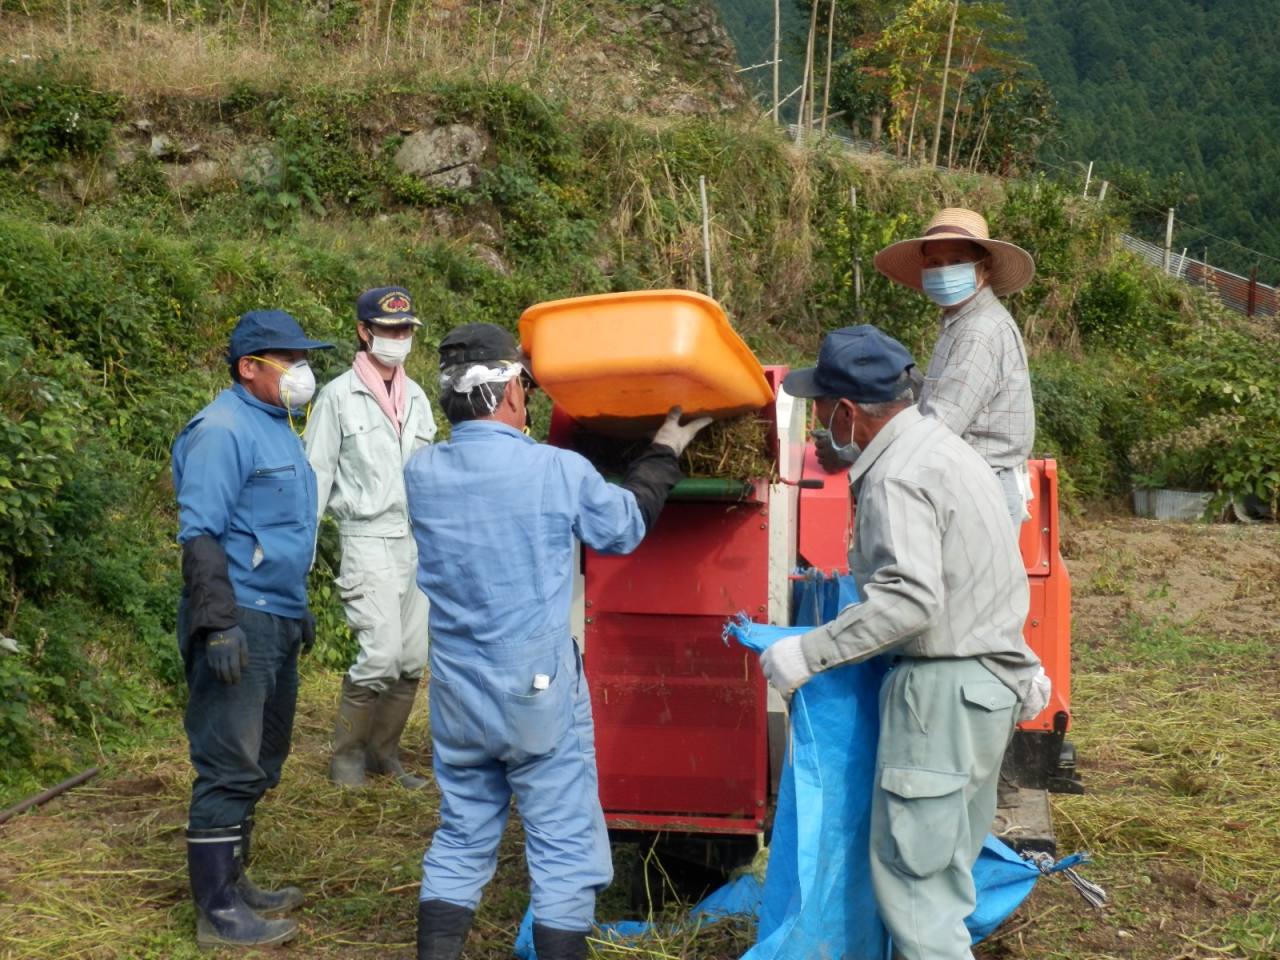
(944, 725)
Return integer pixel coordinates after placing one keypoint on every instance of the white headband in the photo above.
(466, 379)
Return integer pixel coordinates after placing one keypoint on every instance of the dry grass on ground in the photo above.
(564, 47)
(1177, 705)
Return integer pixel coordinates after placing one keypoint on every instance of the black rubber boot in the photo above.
(552, 944)
(1008, 796)
(267, 903)
(223, 919)
(390, 715)
(351, 734)
(442, 929)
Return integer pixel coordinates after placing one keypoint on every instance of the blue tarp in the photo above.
(817, 892)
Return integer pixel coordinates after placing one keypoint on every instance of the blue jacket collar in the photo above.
(239, 390)
(473, 430)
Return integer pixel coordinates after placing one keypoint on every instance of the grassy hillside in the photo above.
(160, 179)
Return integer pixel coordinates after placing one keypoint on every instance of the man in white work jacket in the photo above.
(363, 429)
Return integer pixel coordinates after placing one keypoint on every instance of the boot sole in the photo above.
(212, 942)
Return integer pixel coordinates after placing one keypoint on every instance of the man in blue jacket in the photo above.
(495, 516)
(247, 525)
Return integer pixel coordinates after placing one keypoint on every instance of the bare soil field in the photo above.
(1176, 698)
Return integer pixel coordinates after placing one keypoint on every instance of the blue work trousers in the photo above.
(240, 733)
(495, 736)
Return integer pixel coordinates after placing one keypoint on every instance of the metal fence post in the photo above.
(706, 235)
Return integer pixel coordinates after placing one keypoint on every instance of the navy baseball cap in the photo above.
(263, 330)
(854, 363)
(388, 306)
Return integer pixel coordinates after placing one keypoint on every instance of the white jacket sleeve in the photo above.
(323, 441)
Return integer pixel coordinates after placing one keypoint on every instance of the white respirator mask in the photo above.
(392, 353)
(297, 383)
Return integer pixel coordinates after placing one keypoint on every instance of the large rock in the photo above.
(447, 156)
(192, 177)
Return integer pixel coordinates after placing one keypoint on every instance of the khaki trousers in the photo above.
(944, 725)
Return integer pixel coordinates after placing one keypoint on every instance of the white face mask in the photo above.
(391, 352)
(297, 386)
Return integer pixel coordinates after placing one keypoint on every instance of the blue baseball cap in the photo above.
(263, 330)
(854, 363)
(388, 306)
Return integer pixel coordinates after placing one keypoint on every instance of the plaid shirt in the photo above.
(978, 384)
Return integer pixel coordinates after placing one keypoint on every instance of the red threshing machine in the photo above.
(689, 736)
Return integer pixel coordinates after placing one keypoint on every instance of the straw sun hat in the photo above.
(1011, 267)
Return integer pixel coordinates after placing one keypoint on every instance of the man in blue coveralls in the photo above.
(247, 525)
(495, 516)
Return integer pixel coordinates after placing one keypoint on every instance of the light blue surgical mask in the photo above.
(949, 285)
(849, 452)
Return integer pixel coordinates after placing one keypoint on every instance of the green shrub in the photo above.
(1221, 429)
(48, 117)
(1115, 308)
(40, 424)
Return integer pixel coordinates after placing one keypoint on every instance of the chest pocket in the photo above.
(273, 493)
(355, 427)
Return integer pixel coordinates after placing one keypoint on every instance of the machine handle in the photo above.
(812, 484)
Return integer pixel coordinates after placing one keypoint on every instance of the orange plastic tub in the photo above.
(617, 362)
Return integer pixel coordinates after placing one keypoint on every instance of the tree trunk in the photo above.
(777, 52)
(826, 85)
(942, 97)
(806, 95)
(955, 116)
(915, 107)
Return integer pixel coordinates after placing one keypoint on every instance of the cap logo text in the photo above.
(395, 303)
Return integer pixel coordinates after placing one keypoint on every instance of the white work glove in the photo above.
(672, 435)
(784, 665)
(1037, 697)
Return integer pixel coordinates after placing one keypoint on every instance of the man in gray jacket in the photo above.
(944, 597)
(366, 424)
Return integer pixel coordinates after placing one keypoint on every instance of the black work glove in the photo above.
(308, 631)
(227, 652)
(831, 459)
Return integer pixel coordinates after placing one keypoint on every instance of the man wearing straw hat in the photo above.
(977, 382)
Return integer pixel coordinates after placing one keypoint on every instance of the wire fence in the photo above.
(1241, 294)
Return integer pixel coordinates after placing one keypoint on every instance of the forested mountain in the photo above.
(1177, 102)
(1175, 86)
